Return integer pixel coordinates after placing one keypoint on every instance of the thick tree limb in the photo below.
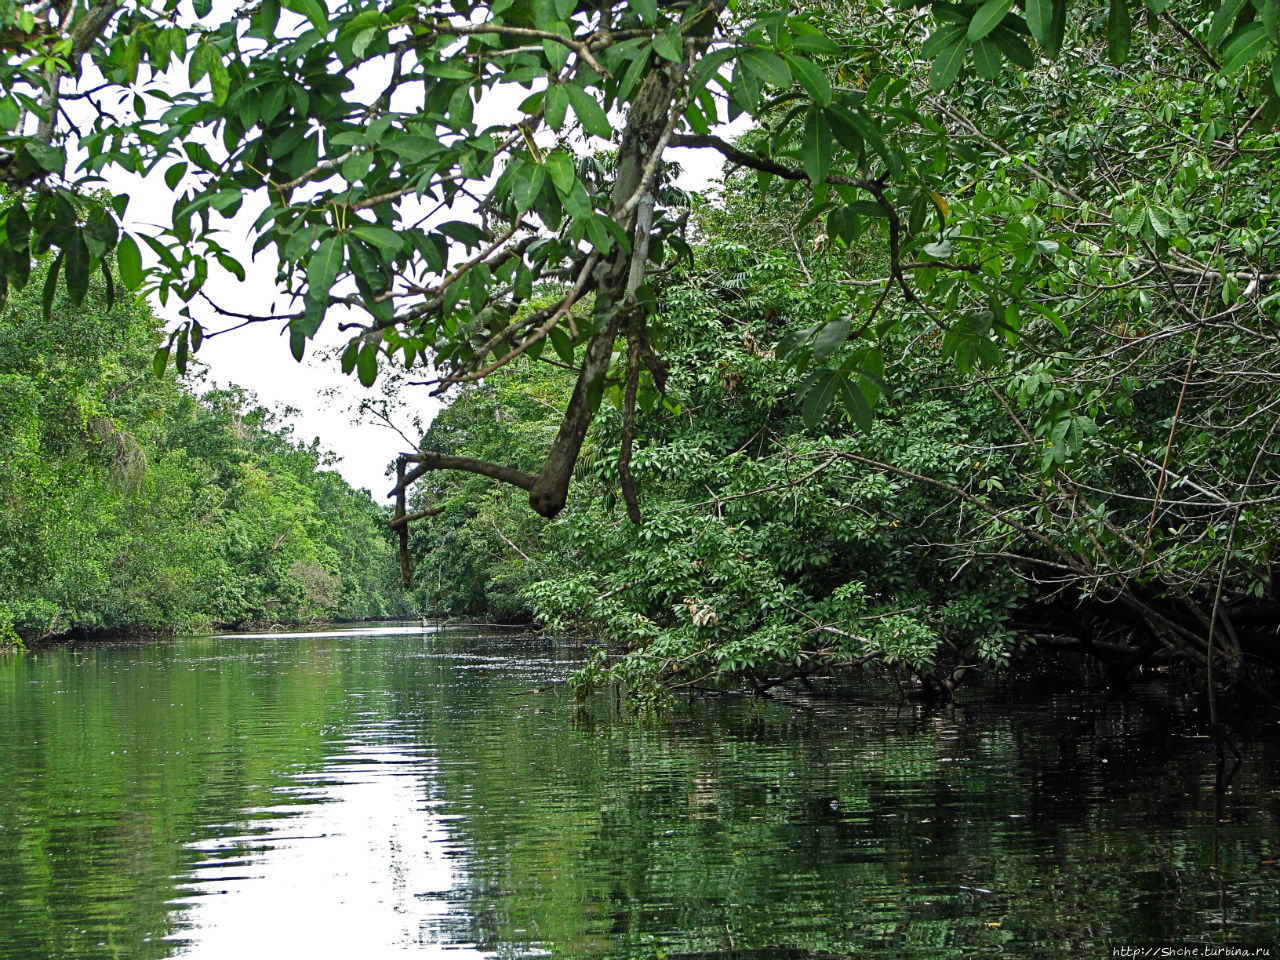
(84, 31)
(408, 518)
(647, 132)
(582, 47)
(406, 572)
(625, 479)
(756, 161)
(651, 122)
(428, 461)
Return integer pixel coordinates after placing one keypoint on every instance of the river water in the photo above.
(390, 791)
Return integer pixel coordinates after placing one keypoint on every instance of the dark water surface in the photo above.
(391, 792)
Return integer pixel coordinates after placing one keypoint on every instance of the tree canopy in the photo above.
(414, 165)
(1062, 214)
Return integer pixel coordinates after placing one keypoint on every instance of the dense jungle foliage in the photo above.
(128, 502)
(976, 350)
(1091, 468)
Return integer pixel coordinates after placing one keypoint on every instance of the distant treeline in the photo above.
(129, 503)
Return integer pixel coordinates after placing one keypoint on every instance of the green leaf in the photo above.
(544, 14)
(46, 157)
(199, 64)
(818, 145)
(17, 231)
(863, 126)
(388, 241)
(1244, 46)
(631, 79)
(818, 43)
(986, 58)
(669, 44)
(465, 233)
(529, 180)
(818, 398)
(1159, 221)
(1119, 31)
(940, 39)
(589, 112)
(556, 102)
(360, 45)
(160, 362)
(1222, 20)
(1013, 47)
(110, 283)
(313, 10)
(367, 364)
(322, 270)
(869, 208)
(349, 353)
(174, 174)
(766, 65)
(129, 262)
(947, 66)
(562, 345)
(648, 10)
(560, 169)
(1057, 29)
(1271, 19)
(1039, 14)
(598, 233)
(829, 339)
(412, 147)
(50, 288)
(576, 201)
(841, 223)
(812, 78)
(988, 18)
(219, 81)
(744, 91)
(265, 20)
(855, 404)
(557, 55)
(76, 268)
(871, 375)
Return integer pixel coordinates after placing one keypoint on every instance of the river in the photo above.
(392, 791)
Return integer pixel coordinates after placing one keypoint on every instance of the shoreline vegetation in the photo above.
(970, 356)
(764, 560)
(774, 551)
(131, 503)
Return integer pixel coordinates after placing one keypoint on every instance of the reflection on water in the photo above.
(365, 854)
(382, 792)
